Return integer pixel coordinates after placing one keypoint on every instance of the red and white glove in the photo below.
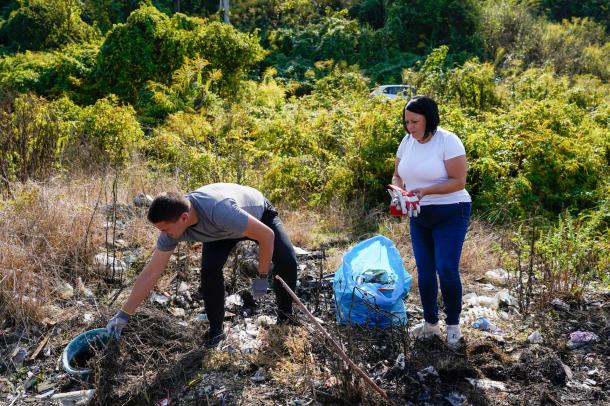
(403, 203)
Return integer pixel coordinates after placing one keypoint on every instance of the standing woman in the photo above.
(431, 162)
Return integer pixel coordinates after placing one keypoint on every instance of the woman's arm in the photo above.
(456, 172)
(396, 179)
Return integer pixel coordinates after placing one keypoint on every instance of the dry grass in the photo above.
(481, 250)
(289, 357)
(311, 229)
(45, 239)
(49, 234)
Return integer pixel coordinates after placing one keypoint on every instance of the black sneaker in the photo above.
(211, 340)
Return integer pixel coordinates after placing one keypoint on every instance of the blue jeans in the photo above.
(437, 235)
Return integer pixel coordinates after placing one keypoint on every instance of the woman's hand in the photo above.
(420, 193)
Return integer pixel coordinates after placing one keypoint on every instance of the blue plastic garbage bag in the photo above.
(370, 285)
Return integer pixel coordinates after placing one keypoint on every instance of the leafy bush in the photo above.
(51, 73)
(151, 46)
(540, 156)
(32, 135)
(109, 134)
(45, 24)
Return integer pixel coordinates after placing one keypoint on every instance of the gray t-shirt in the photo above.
(223, 210)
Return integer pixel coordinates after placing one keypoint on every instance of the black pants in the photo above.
(215, 254)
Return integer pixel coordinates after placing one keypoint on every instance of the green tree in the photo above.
(420, 25)
(559, 10)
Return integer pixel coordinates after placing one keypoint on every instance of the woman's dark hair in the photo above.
(428, 108)
(167, 206)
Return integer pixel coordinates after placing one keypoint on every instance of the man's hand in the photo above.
(259, 286)
(116, 324)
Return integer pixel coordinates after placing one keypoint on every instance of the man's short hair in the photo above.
(167, 206)
(428, 108)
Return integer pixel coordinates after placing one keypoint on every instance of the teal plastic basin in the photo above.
(82, 348)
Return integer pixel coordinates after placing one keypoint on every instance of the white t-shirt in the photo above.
(423, 165)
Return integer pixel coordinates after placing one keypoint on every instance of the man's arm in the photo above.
(265, 237)
(147, 279)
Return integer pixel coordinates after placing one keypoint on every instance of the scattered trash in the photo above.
(259, 376)
(80, 397)
(251, 328)
(202, 317)
(427, 373)
(109, 264)
(177, 311)
(400, 362)
(264, 321)
(183, 287)
(484, 301)
(66, 291)
(142, 200)
(45, 395)
(483, 324)
(498, 277)
(506, 299)
(85, 291)
(581, 338)
(88, 318)
(18, 356)
(233, 301)
(568, 371)
(163, 402)
(159, 298)
(470, 315)
(300, 251)
(560, 304)
(486, 384)
(456, 399)
(535, 338)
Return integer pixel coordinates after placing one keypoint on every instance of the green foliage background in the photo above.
(280, 99)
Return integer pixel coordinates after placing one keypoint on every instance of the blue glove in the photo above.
(259, 287)
(116, 324)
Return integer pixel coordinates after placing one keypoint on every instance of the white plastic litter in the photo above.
(66, 291)
(158, 298)
(76, 398)
(486, 384)
(498, 277)
(234, 301)
(484, 301)
(535, 338)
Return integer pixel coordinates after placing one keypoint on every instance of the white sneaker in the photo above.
(454, 335)
(426, 330)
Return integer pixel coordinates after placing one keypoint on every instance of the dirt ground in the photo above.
(160, 360)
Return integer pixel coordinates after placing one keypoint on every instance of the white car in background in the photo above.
(393, 91)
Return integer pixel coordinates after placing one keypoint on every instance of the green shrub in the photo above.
(542, 156)
(109, 133)
(52, 73)
(151, 46)
(32, 136)
(45, 24)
